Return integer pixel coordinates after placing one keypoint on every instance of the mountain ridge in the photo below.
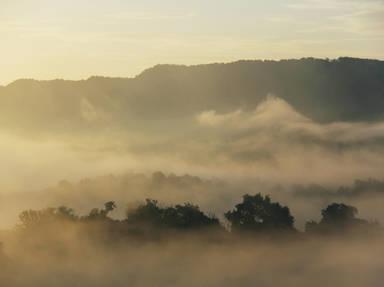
(343, 89)
(160, 66)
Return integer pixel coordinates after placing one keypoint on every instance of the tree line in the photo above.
(255, 214)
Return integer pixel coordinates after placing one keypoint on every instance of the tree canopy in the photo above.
(259, 213)
(339, 218)
(185, 216)
(256, 214)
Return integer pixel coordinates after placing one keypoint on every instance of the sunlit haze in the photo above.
(211, 143)
(47, 39)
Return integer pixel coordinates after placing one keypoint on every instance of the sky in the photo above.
(75, 39)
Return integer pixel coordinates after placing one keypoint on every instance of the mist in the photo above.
(232, 153)
(272, 143)
(299, 137)
(194, 263)
(88, 252)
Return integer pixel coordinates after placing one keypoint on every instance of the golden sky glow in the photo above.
(74, 39)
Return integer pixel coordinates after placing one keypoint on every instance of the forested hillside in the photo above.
(345, 89)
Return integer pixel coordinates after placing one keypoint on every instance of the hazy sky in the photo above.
(74, 39)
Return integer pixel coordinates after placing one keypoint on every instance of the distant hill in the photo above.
(345, 89)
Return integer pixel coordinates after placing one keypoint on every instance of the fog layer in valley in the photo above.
(253, 151)
(197, 263)
(295, 121)
(273, 142)
(309, 133)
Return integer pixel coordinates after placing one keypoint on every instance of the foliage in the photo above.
(33, 218)
(259, 213)
(256, 213)
(338, 213)
(338, 218)
(96, 213)
(186, 216)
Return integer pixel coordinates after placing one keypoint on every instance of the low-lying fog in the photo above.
(252, 151)
(197, 263)
(273, 143)
(98, 251)
(273, 150)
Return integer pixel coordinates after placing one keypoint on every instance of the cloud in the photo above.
(272, 142)
(211, 118)
(276, 114)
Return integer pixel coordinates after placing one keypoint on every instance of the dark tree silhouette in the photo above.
(256, 213)
(96, 213)
(340, 218)
(186, 216)
(109, 206)
(338, 213)
(64, 212)
(259, 213)
(148, 213)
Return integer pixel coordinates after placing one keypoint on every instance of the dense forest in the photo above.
(256, 215)
(212, 195)
(258, 234)
(179, 243)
